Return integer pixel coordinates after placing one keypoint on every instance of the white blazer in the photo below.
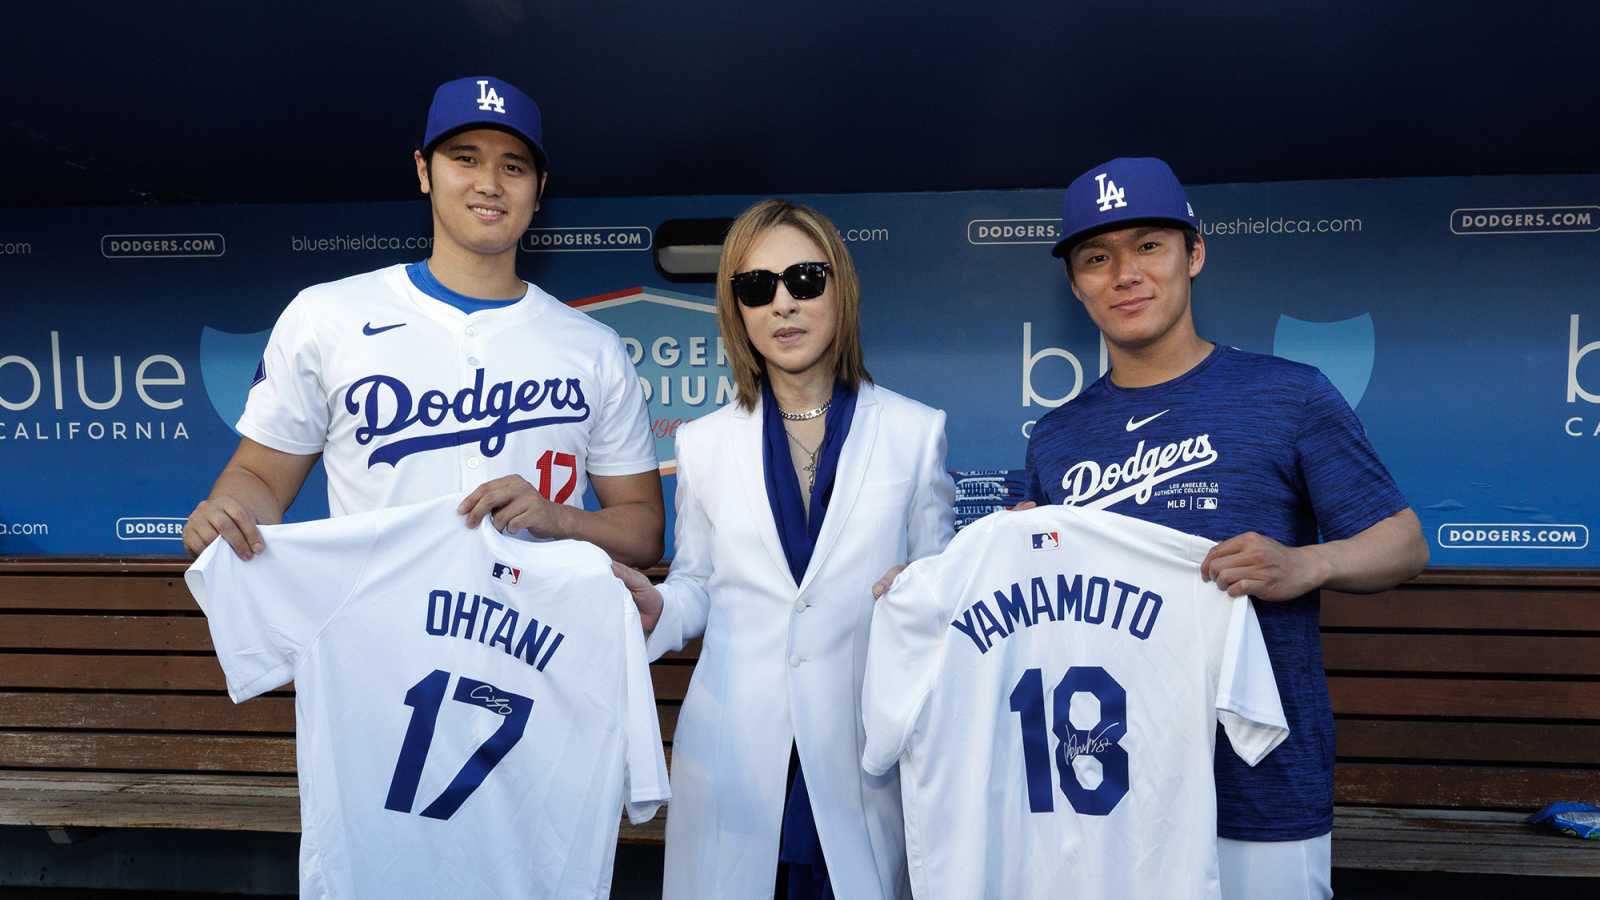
(782, 664)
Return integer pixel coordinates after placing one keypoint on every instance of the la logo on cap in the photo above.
(488, 99)
(1110, 197)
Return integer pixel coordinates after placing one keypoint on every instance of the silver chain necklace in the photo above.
(803, 415)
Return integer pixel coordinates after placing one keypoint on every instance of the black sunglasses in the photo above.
(803, 280)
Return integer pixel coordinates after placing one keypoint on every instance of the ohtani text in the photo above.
(472, 617)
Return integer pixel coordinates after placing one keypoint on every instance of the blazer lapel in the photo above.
(751, 481)
(847, 484)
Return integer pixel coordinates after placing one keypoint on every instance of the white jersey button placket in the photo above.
(470, 459)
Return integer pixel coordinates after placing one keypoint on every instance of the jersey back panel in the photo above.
(472, 713)
(1051, 686)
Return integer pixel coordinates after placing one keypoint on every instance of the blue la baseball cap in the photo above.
(1125, 189)
(483, 101)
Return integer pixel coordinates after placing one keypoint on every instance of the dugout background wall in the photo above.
(1457, 315)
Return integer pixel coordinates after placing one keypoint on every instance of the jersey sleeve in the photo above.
(685, 602)
(287, 407)
(1248, 705)
(265, 612)
(645, 784)
(905, 651)
(621, 442)
(1350, 490)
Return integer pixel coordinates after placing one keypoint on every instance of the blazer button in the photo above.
(800, 606)
(794, 661)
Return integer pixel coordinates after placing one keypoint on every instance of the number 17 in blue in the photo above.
(425, 698)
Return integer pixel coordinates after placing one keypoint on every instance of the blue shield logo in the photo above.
(229, 364)
(1344, 351)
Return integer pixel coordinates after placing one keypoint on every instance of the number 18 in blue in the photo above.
(1099, 742)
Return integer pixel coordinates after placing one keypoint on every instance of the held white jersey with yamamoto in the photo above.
(407, 398)
(1051, 687)
(472, 712)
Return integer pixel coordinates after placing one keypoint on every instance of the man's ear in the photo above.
(1066, 266)
(538, 197)
(424, 179)
(1197, 257)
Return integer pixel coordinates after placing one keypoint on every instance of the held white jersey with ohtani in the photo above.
(408, 398)
(472, 712)
(1051, 687)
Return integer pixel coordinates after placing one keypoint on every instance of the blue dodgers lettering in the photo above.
(487, 621)
(1076, 600)
(470, 405)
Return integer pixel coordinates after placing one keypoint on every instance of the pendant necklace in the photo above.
(810, 468)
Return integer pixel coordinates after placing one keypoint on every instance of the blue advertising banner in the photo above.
(1458, 317)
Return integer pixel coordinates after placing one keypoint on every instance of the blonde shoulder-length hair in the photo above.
(748, 365)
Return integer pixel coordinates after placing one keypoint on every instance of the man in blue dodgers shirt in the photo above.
(1256, 452)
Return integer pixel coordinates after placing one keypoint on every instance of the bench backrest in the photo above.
(1459, 689)
(108, 667)
(1470, 689)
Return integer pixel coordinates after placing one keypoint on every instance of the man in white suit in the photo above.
(790, 503)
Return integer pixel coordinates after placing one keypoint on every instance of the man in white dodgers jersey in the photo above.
(471, 710)
(1050, 686)
(450, 374)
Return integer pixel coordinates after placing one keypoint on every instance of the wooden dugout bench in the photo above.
(114, 712)
(1463, 701)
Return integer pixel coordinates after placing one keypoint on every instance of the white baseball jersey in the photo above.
(408, 398)
(472, 711)
(1051, 686)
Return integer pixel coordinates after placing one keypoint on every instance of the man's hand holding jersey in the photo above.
(514, 504)
(1386, 553)
(223, 517)
(254, 489)
(628, 524)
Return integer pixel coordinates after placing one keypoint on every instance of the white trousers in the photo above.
(1276, 870)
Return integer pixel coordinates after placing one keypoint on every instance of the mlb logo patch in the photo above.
(1205, 503)
(1047, 540)
(508, 574)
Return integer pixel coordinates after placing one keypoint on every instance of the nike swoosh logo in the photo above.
(1135, 426)
(369, 331)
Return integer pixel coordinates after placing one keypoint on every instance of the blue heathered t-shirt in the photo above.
(1241, 442)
